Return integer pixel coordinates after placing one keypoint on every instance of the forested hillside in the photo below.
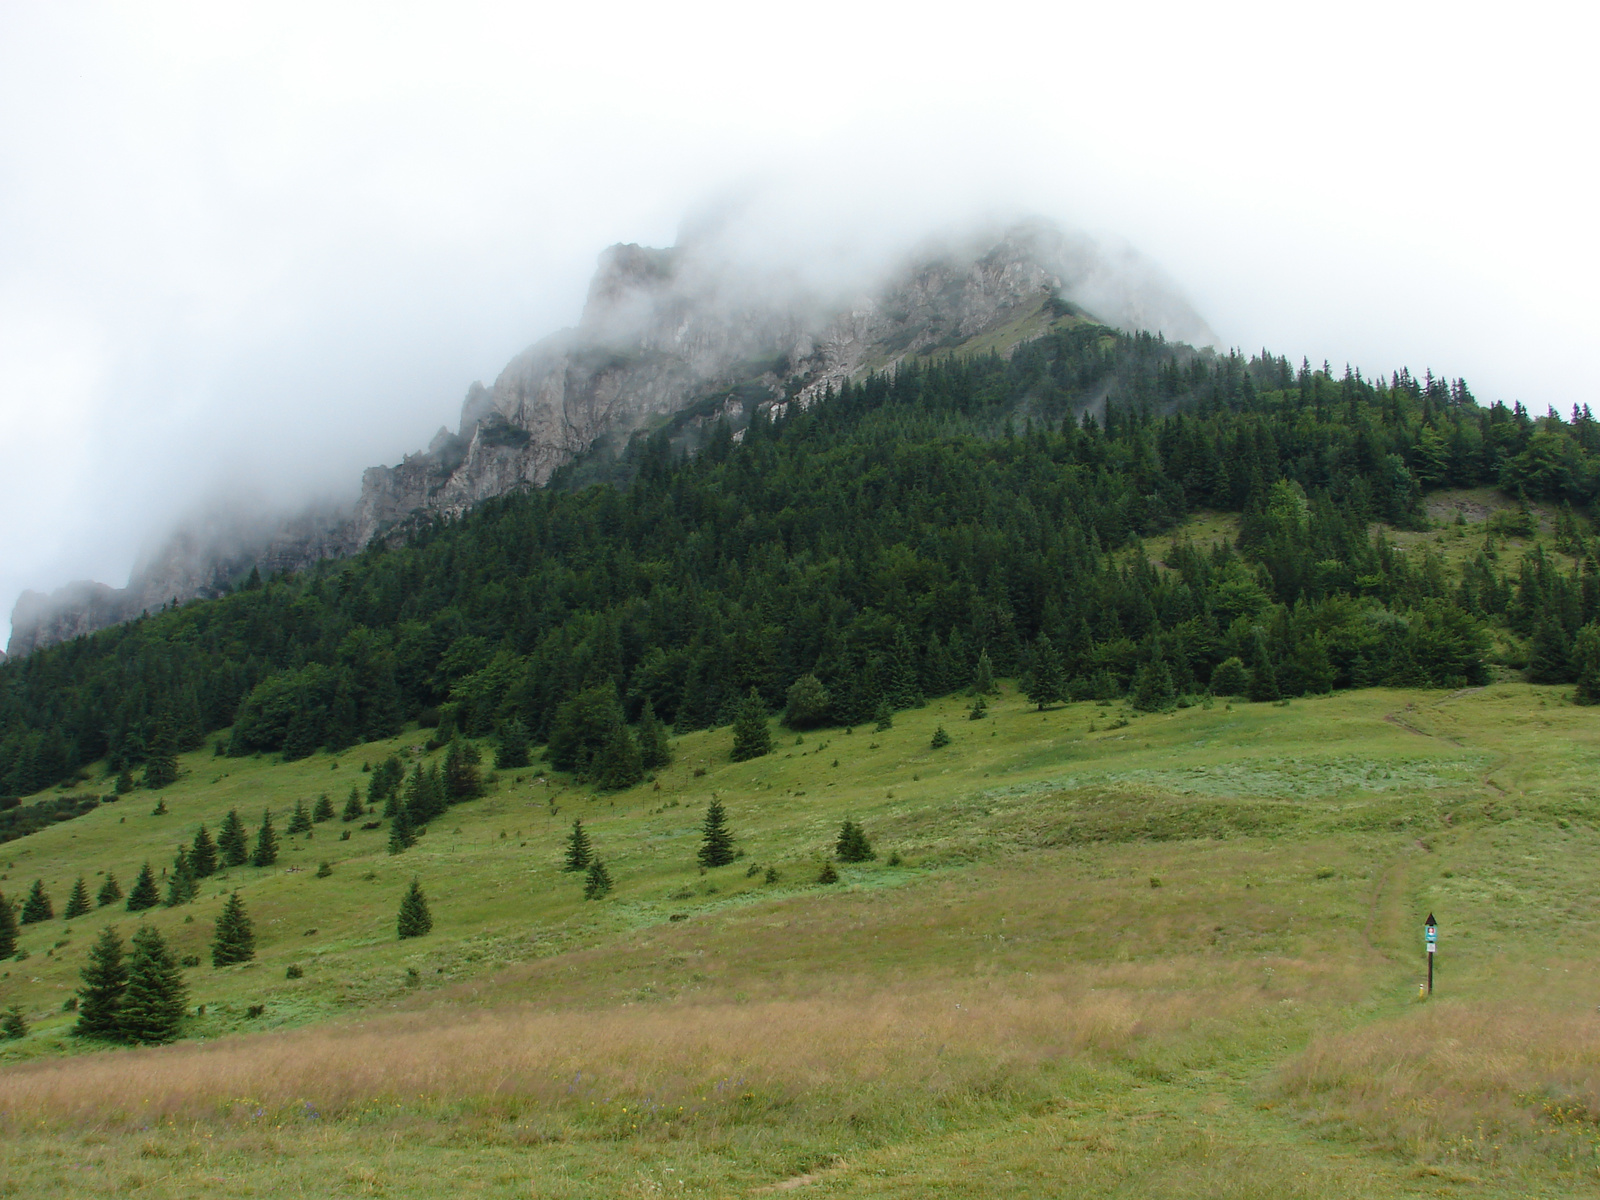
(885, 540)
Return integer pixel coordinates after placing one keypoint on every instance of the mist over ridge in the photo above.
(734, 317)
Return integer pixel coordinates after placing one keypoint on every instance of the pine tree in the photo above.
(232, 843)
(8, 928)
(266, 851)
(110, 892)
(752, 737)
(203, 854)
(511, 752)
(462, 780)
(940, 739)
(153, 1002)
(598, 882)
(354, 810)
(78, 903)
(716, 843)
(578, 850)
(883, 717)
(104, 979)
(852, 845)
(299, 820)
(323, 810)
(619, 764)
(235, 938)
(983, 676)
(144, 894)
(13, 1025)
(654, 753)
(415, 919)
(979, 709)
(181, 887)
(37, 907)
(124, 783)
(827, 874)
(1046, 682)
(161, 764)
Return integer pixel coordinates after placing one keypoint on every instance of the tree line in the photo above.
(877, 545)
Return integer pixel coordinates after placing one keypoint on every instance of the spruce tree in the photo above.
(385, 782)
(161, 764)
(415, 919)
(716, 843)
(461, 778)
(883, 716)
(983, 676)
(1046, 682)
(232, 843)
(13, 1025)
(619, 764)
(104, 979)
(940, 739)
(266, 851)
(153, 1002)
(852, 845)
(1153, 690)
(401, 834)
(1586, 662)
(578, 850)
(299, 820)
(124, 783)
(654, 752)
(235, 938)
(979, 709)
(827, 874)
(323, 810)
(37, 907)
(181, 887)
(78, 903)
(8, 928)
(203, 854)
(598, 882)
(144, 894)
(511, 752)
(354, 810)
(110, 891)
(1263, 677)
(752, 737)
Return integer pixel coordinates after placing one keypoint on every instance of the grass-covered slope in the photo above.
(1123, 954)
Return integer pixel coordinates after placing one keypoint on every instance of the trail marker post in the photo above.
(1430, 932)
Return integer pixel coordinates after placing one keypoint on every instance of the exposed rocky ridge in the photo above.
(661, 331)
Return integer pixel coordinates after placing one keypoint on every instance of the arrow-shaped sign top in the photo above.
(1430, 920)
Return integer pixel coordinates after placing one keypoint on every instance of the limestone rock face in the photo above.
(662, 332)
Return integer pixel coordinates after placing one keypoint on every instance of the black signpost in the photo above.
(1431, 932)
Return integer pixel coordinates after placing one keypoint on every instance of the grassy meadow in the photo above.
(1120, 955)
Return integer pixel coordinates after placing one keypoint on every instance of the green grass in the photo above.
(1170, 958)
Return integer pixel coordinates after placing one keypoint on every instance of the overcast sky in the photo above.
(265, 246)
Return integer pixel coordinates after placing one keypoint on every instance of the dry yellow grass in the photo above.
(1483, 1083)
(686, 1063)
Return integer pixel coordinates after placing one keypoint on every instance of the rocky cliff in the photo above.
(662, 332)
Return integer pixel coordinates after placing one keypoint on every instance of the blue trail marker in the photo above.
(1430, 931)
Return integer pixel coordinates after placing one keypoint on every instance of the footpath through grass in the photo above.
(1129, 955)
